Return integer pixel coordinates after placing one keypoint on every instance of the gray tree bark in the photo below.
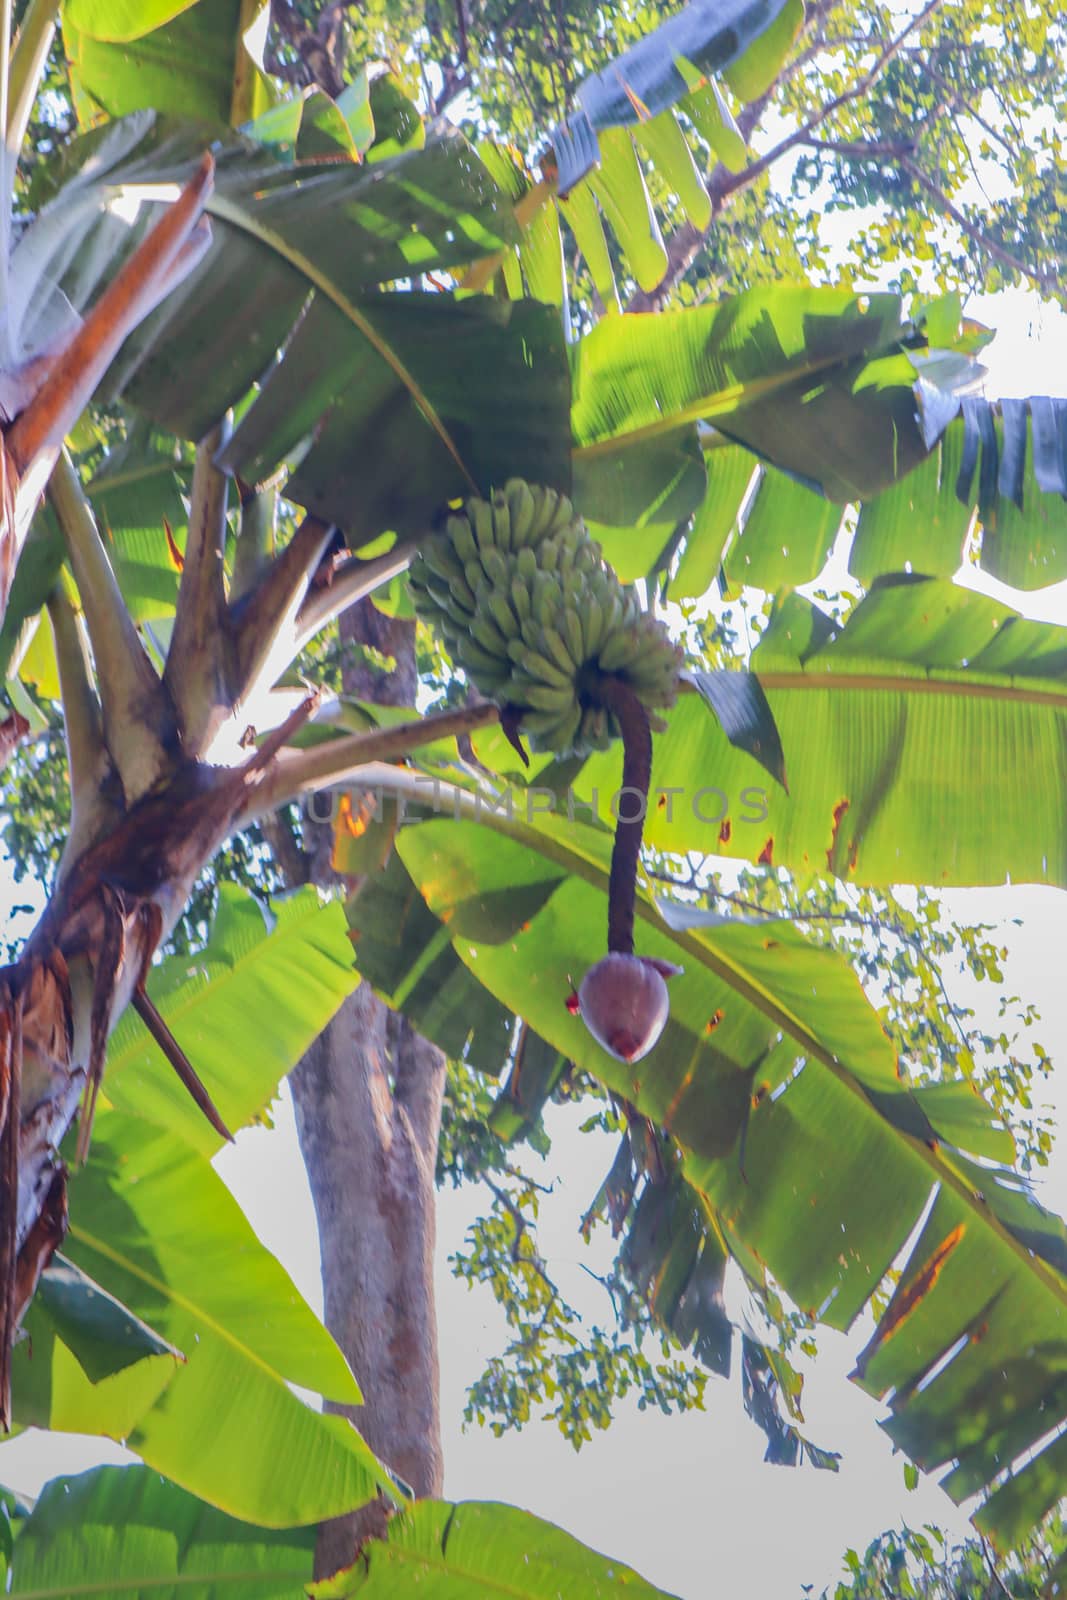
(368, 1097)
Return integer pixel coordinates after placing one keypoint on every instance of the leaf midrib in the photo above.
(962, 687)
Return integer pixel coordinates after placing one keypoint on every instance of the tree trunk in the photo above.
(368, 1104)
(368, 1098)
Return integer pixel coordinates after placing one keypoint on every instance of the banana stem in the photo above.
(137, 716)
(26, 67)
(618, 698)
(255, 544)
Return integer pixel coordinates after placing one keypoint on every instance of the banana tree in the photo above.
(365, 407)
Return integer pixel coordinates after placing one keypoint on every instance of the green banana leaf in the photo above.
(477, 1551)
(99, 1330)
(331, 231)
(651, 113)
(125, 1531)
(817, 381)
(183, 59)
(663, 67)
(314, 240)
(407, 399)
(923, 742)
(996, 476)
(658, 89)
(158, 1229)
(298, 972)
(1001, 468)
(136, 497)
(813, 1154)
(672, 1254)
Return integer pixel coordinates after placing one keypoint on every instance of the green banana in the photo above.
(550, 697)
(461, 591)
(592, 626)
(501, 522)
(556, 647)
(480, 513)
(568, 730)
(439, 557)
(531, 633)
(520, 598)
(544, 516)
(480, 663)
(547, 597)
(502, 613)
(462, 538)
(541, 725)
(621, 650)
(572, 635)
(495, 567)
(522, 507)
(488, 635)
(539, 667)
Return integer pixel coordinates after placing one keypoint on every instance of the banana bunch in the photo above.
(531, 611)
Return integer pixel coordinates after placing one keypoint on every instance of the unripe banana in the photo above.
(496, 568)
(522, 507)
(621, 649)
(437, 592)
(592, 626)
(550, 697)
(542, 726)
(501, 612)
(544, 516)
(520, 598)
(557, 649)
(547, 597)
(488, 635)
(480, 513)
(462, 592)
(462, 537)
(572, 635)
(539, 666)
(481, 664)
(501, 522)
(567, 733)
(531, 633)
(439, 556)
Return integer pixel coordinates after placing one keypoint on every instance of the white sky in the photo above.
(685, 1500)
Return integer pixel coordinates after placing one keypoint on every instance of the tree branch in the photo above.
(1045, 277)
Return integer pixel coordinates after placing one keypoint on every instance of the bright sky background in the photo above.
(685, 1500)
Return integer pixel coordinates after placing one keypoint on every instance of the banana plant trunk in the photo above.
(368, 1097)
